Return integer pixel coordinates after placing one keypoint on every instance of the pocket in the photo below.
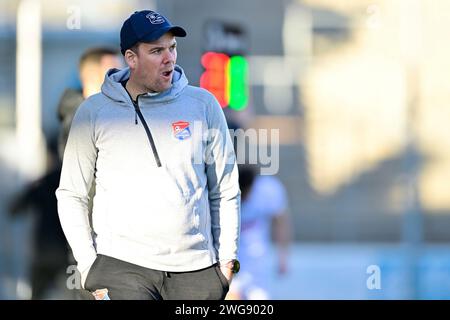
(83, 294)
(223, 280)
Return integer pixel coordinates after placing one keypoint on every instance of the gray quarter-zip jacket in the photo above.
(167, 198)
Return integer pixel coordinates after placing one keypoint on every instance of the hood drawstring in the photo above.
(135, 116)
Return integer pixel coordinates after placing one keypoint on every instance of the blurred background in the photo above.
(358, 91)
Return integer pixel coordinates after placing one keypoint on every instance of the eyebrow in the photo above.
(174, 43)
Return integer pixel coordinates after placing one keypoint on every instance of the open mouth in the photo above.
(167, 73)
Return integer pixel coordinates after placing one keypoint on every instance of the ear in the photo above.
(131, 58)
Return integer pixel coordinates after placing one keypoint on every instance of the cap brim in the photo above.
(175, 30)
(178, 31)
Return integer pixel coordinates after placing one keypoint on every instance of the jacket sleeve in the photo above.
(76, 179)
(223, 185)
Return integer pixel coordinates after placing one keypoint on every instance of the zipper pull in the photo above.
(135, 117)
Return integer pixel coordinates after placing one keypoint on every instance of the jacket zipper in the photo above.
(147, 130)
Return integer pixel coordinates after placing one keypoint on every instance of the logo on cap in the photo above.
(155, 18)
(181, 130)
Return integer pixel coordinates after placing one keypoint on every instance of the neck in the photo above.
(134, 90)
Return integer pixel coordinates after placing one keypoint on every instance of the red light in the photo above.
(215, 78)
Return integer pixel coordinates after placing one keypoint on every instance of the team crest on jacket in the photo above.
(181, 130)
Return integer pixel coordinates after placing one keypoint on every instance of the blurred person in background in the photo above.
(50, 249)
(165, 227)
(264, 219)
(93, 65)
(51, 254)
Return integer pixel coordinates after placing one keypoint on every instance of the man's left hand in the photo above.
(227, 273)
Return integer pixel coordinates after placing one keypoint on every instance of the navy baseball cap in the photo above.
(146, 26)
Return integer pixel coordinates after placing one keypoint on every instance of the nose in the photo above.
(169, 56)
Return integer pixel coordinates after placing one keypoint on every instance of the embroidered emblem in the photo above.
(155, 18)
(181, 130)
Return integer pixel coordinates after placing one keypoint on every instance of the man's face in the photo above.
(153, 65)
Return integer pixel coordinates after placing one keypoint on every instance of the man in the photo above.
(94, 63)
(166, 220)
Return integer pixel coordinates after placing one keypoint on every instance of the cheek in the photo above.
(151, 77)
(144, 70)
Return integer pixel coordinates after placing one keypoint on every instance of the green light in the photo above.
(238, 73)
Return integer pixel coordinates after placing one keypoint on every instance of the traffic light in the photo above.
(227, 78)
(225, 68)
